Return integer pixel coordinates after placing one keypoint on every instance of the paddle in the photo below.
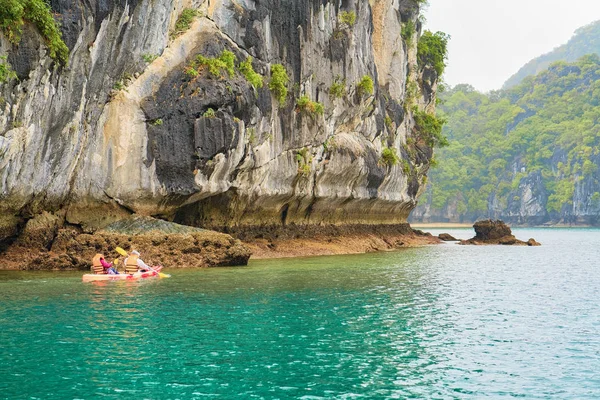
(125, 254)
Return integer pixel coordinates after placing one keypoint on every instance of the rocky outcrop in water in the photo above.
(134, 123)
(46, 245)
(446, 237)
(495, 232)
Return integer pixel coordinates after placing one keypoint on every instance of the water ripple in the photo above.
(437, 322)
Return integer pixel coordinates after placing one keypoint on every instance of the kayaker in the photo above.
(108, 267)
(133, 263)
(101, 266)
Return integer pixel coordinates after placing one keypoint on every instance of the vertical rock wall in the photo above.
(122, 128)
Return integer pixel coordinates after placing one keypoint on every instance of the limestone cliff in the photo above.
(125, 128)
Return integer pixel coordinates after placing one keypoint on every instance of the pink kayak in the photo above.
(120, 277)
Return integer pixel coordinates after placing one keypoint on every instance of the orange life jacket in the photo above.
(97, 267)
(131, 265)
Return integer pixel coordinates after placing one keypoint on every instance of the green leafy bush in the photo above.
(279, 82)
(149, 58)
(304, 104)
(6, 71)
(210, 113)
(253, 77)
(185, 20)
(430, 128)
(388, 122)
(408, 31)
(365, 86)
(226, 61)
(14, 13)
(432, 50)
(389, 156)
(304, 159)
(337, 90)
(348, 18)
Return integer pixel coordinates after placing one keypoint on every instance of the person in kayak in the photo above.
(133, 263)
(101, 266)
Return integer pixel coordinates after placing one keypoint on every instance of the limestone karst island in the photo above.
(299, 127)
(299, 199)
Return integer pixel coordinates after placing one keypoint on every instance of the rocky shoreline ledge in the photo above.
(47, 242)
(319, 240)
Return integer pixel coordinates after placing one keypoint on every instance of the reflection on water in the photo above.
(437, 322)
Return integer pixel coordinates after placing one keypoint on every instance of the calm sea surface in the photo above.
(435, 322)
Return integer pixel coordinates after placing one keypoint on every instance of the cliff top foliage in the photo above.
(586, 40)
(547, 126)
(432, 50)
(14, 14)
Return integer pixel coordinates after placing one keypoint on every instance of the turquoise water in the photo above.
(435, 322)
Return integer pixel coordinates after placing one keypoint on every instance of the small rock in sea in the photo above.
(447, 237)
(495, 232)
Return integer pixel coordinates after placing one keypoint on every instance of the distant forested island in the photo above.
(528, 154)
(586, 40)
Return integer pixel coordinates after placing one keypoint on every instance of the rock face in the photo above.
(126, 128)
(160, 242)
(495, 232)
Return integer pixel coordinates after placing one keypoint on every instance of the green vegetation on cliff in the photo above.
(6, 71)
(306, 105)
(184, 21)
(365, 86)
(546, 127)
(432, 50)
(14, 14)
(279, 82)
(251, 76)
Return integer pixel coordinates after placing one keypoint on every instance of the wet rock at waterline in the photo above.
(495, 232)
(159, 242)
(447, 237)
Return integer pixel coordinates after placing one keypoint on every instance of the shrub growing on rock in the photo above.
(6, 71)
(185, 20)
(430, 128)
(389, 156)
(337, 90)
(254, 78)
(348, 18)
(215, 65)
(210, 113)
(279, 82)
(14, 13)
(432, 50)
(304, 104)
(365, 86)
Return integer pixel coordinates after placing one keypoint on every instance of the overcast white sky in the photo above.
(492, 39)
